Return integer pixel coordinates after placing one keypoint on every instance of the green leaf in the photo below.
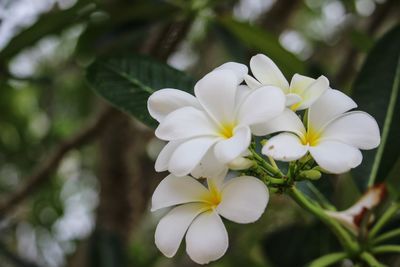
(376, 90)
(127, 82)
(262, 41)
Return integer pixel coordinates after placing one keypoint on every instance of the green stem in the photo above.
(328, 259)
(320, 197)
(274, 171)
(389, 213)
(273, 163)
(276, 180)
(344, 237)
(386, 249)
(370, 260)
(386, 236)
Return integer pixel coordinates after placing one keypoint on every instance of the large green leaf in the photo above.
(262, 41)
(127, 82)
(376, 90)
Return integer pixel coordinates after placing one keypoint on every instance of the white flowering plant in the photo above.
(235, 137)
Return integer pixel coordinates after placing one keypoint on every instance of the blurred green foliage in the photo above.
(53, 101)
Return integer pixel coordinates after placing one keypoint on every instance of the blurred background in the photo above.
(76, 175)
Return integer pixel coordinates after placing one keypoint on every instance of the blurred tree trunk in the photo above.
(126, 175)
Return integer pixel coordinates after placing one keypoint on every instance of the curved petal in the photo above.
(331, 104)
(242, 92)
(229, 149)
(164, 157)
(356, 128)
(266, 72)
(285, 147)
(288, 121)
(336, 157)
(261, 105)
(206, 239)
(314, 91)
(164, 101)
(240, 70)
(210, 167)
(184, 123)
(299, 84)
(175, 190)
(172, 227)
(251, 82)
(216, 92)
(244, 199)
(292, 99)
(189, 154)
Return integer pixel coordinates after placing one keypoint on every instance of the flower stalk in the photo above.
(389, 213)
(344, 237)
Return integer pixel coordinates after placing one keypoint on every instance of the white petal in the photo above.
(244, 199)
(285, 147)
(288, 121)
(331, 104)
(261, 105)
(177, 190)
(368, 200)
(251, 82)
(210, 167)
(165, 155)
(265, 71)
(242, 92)
(292, 99)
(164, 101)
(206, 239)
(300, 83)
(189, 154)
(185, 123)
(172, 227)
(336, 157)
(314, 91)
(356, 128)
(239, 69)
(229, 149)
(216, 92)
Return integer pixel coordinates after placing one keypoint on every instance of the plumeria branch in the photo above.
(344, 237)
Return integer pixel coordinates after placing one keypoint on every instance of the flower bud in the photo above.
(310, 175)
(240, 163)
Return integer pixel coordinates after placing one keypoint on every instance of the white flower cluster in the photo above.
(211, 132)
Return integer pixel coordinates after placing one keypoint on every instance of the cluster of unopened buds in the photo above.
(214, 158)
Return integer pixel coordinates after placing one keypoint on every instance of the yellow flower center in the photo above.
(311, 137)
(226, 130)
(294, 107)
(214, 197)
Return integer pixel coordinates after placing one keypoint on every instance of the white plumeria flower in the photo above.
(333, 136)
(215, 126)
(241, 200)
(352, 217)
(300, 94)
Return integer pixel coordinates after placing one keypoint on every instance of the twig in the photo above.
(43, 170)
